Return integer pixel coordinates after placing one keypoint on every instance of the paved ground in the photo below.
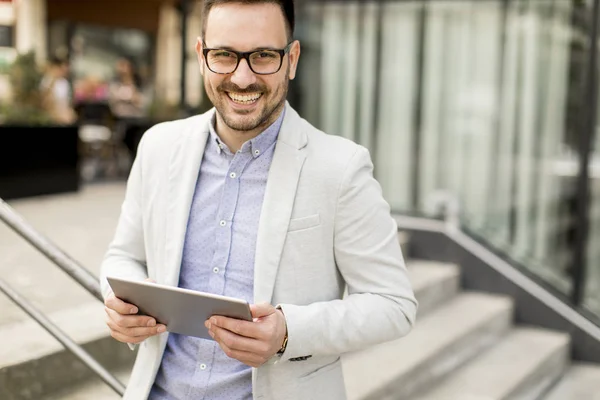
(82, 224)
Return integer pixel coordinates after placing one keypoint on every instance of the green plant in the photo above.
(27, 103)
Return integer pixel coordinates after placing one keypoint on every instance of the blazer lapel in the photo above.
(278, 203)
(184, 167)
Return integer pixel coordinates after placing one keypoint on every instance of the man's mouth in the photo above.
(244, 99)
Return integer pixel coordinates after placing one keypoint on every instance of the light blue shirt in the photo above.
(218, 257)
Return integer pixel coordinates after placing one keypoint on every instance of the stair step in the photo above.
(581, 382)
(30, 354)
(522, 366)
(433, 282)
(94, 389)
(440, 342)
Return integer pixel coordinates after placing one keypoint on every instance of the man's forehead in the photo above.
(246, 27)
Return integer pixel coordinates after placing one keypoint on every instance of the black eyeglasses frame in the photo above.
(246, 56)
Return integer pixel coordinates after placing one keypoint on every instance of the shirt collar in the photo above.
(256, 146)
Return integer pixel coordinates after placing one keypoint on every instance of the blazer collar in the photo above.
(184, 167)
(291, 132)
(278, 203)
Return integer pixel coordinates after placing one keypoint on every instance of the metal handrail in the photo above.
(50, 250)
(75, 271)
(63, 338)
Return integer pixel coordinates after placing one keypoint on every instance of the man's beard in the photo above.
(266, 116)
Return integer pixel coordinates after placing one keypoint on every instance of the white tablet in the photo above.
(183, 311)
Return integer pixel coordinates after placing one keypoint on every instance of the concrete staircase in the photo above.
(463, 347)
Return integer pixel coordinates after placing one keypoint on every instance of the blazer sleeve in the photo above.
(380, 305)
(126, 255)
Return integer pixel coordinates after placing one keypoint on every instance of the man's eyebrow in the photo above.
(229, 48)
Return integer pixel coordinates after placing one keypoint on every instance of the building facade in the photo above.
(94, 35)
(492, 103)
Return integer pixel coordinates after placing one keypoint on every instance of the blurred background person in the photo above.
(57, 93)
(126, 97)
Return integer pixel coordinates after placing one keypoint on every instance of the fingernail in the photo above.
(207, 324)
(161, 329)
(151, 322)
(212, 335)
(133, 310)
(213, 321)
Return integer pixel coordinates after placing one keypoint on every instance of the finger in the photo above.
(237, 342)
(119, 305)
(137, 331)
(127, 339)
(261, 310)
(251, 359)
(237, 326)
(130, 321)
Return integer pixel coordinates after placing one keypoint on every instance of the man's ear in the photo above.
(294, 57)
(200, 55)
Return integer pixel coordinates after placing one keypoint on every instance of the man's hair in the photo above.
(287, 8)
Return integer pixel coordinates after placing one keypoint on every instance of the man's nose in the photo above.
(243, 75)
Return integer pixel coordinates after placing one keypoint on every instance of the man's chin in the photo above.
(241, 124)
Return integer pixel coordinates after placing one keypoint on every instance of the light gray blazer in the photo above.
(324, 224)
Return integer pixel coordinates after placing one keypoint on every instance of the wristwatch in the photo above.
(284, 345)
(285, 338)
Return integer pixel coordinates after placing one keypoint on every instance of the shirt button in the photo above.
(232, 175)
(216, 270)
(257, 152)
(222, 223)
(203, 366)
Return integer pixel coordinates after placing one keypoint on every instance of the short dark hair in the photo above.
(287, 7)
(56, 61)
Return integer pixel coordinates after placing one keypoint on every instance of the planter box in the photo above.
(38, 160)
(134, 132)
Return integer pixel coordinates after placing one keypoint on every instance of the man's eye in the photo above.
(266, 54)
(224, 54)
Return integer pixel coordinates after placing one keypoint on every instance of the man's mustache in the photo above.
(229, 87)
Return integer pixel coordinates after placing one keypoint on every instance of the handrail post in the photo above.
(445, 204)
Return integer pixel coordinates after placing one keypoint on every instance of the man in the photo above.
(251, 201)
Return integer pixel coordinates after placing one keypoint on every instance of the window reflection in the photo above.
(500, 98)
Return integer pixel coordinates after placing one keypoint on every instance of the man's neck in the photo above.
(235, 139)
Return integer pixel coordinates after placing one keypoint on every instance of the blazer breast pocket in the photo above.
(298, 224)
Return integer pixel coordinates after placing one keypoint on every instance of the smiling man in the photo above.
(250, 201)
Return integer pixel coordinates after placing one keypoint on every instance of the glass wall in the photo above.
(592, 288)
(483, 100)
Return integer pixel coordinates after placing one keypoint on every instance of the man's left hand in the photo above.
(252, 343)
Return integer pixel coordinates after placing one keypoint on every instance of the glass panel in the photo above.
(393, 156)
(307, 85)
(502, 105)
(499, 80)
(592, 287)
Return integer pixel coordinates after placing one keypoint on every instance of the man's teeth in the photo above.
(244, 98)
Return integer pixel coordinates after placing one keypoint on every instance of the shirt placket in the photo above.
(225, 218)
(225, 215)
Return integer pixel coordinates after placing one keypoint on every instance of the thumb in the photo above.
(261, 310)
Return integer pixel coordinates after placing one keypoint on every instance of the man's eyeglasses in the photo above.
(261, 62)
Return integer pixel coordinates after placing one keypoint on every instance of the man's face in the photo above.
(244, 100)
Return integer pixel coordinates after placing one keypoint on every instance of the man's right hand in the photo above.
(127, 327)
